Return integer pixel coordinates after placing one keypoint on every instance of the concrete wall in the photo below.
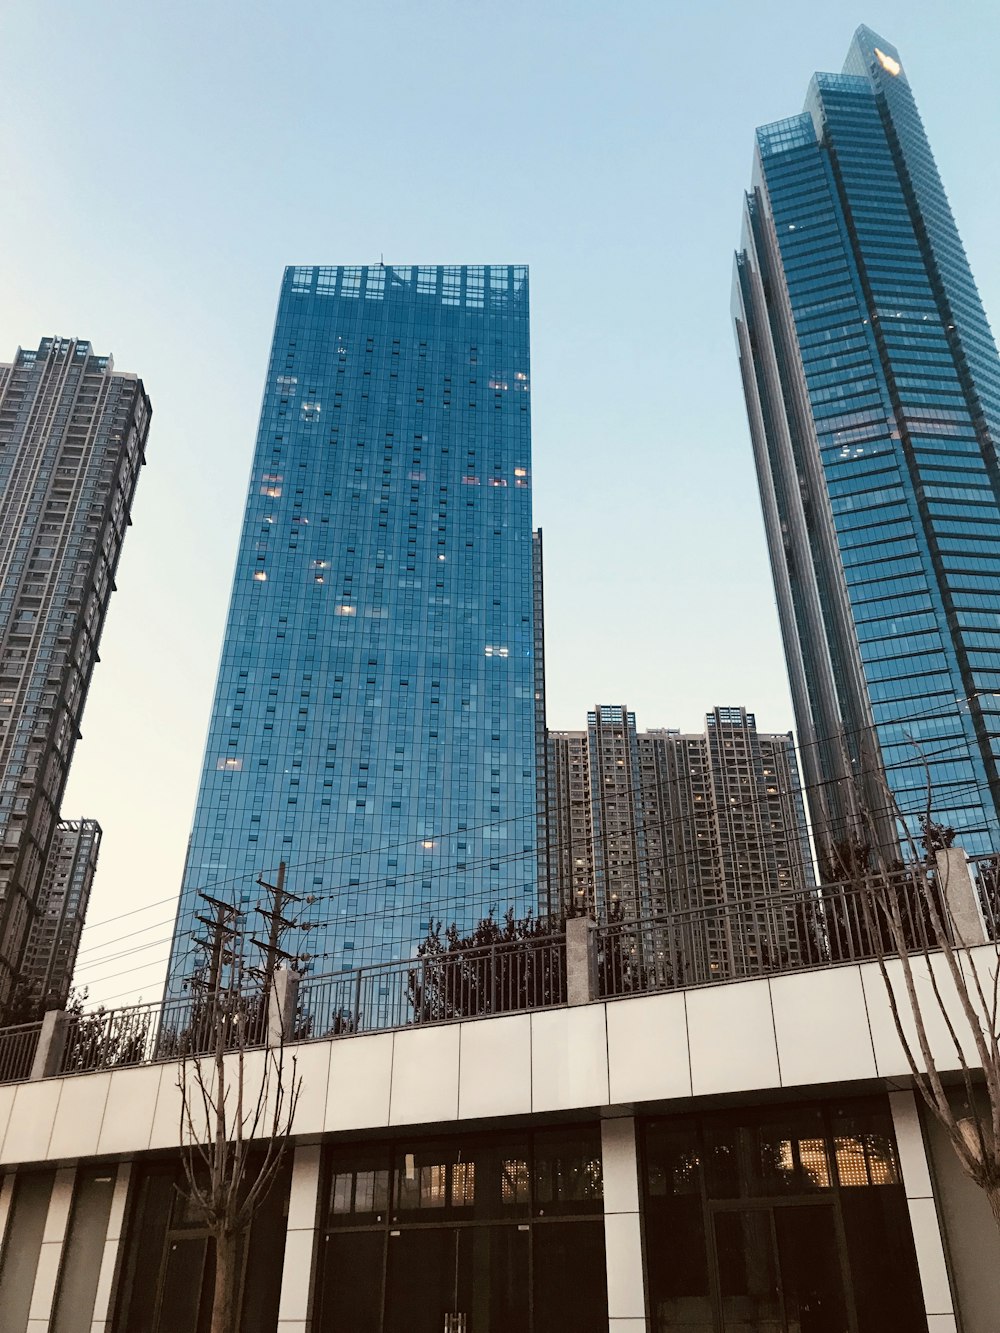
(971, 1236)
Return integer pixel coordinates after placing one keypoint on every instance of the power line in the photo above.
(671, 859)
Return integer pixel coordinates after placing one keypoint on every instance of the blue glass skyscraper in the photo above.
(374, 723)
(873, 390)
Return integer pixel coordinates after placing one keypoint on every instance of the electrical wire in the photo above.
(951, 792)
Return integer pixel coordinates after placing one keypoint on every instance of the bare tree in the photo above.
(235, 1122)
(907, 913)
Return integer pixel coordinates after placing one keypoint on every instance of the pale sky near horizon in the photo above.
(161, 163)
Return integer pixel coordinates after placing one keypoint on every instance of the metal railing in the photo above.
(986, 877)
(716, 941)
(471, 983)
(784, 932)
(147, 1033)
(17, 1051)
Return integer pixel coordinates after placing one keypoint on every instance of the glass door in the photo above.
(457, 1279)
(780, 1270)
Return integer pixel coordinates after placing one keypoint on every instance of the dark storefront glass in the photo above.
(495, 1230)
(570, 1277)
(479, 1271)
(169, 1265)
(781, 1220)
(351, 1280)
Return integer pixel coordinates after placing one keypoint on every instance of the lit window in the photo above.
(345, 610)
(260, 576)
(230, 764)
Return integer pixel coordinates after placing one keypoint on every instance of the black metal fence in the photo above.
(838, 923)
(986, 877)
(714, 942)
(17, 1051)
(470, 983)
(146, 1033)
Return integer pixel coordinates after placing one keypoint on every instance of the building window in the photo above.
(772, 1217)
(505, 1230)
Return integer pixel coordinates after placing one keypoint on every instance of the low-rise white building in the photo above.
(731, 1158)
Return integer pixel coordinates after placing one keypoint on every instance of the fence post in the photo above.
(581, 961)
(960, 896)
(282, 1000)
(51, 1044)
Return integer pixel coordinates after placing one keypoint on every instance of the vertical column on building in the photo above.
(300, 1241)
(112, 1247)
(43, 1294)
(622, 1227)
(6, 1202)
(927, 1238)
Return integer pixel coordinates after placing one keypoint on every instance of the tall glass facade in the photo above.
(873, 390)
(374, 723)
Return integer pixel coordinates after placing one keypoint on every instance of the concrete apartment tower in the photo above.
(54, 941)
(648, 824)
(72, 439)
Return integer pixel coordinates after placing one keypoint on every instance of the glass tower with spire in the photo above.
(872, 386)
(375, 714)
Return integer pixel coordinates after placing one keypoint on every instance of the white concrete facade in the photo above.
(803, 1030)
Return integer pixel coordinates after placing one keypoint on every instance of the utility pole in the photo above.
(223, 931)
(278, 924)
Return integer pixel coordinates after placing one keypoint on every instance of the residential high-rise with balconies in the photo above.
(701, 828)
(54, 940)
(872, 385)
(72, 439)
(374, 723)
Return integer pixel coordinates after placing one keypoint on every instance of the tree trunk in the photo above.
(993, 1195)
(227, 1279)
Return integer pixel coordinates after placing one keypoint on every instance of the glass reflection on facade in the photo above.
(782, 1219)
(479, 1234)
(873, 391)
(374, 724)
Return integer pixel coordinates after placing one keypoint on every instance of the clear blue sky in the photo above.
(162, 162)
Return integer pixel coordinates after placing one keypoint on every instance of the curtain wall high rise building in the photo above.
(873, 391)
(72, 436)
(374, 723)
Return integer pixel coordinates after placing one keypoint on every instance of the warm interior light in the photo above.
(888, 64)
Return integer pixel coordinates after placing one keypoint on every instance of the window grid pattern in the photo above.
(374, 719)
(877, 469)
